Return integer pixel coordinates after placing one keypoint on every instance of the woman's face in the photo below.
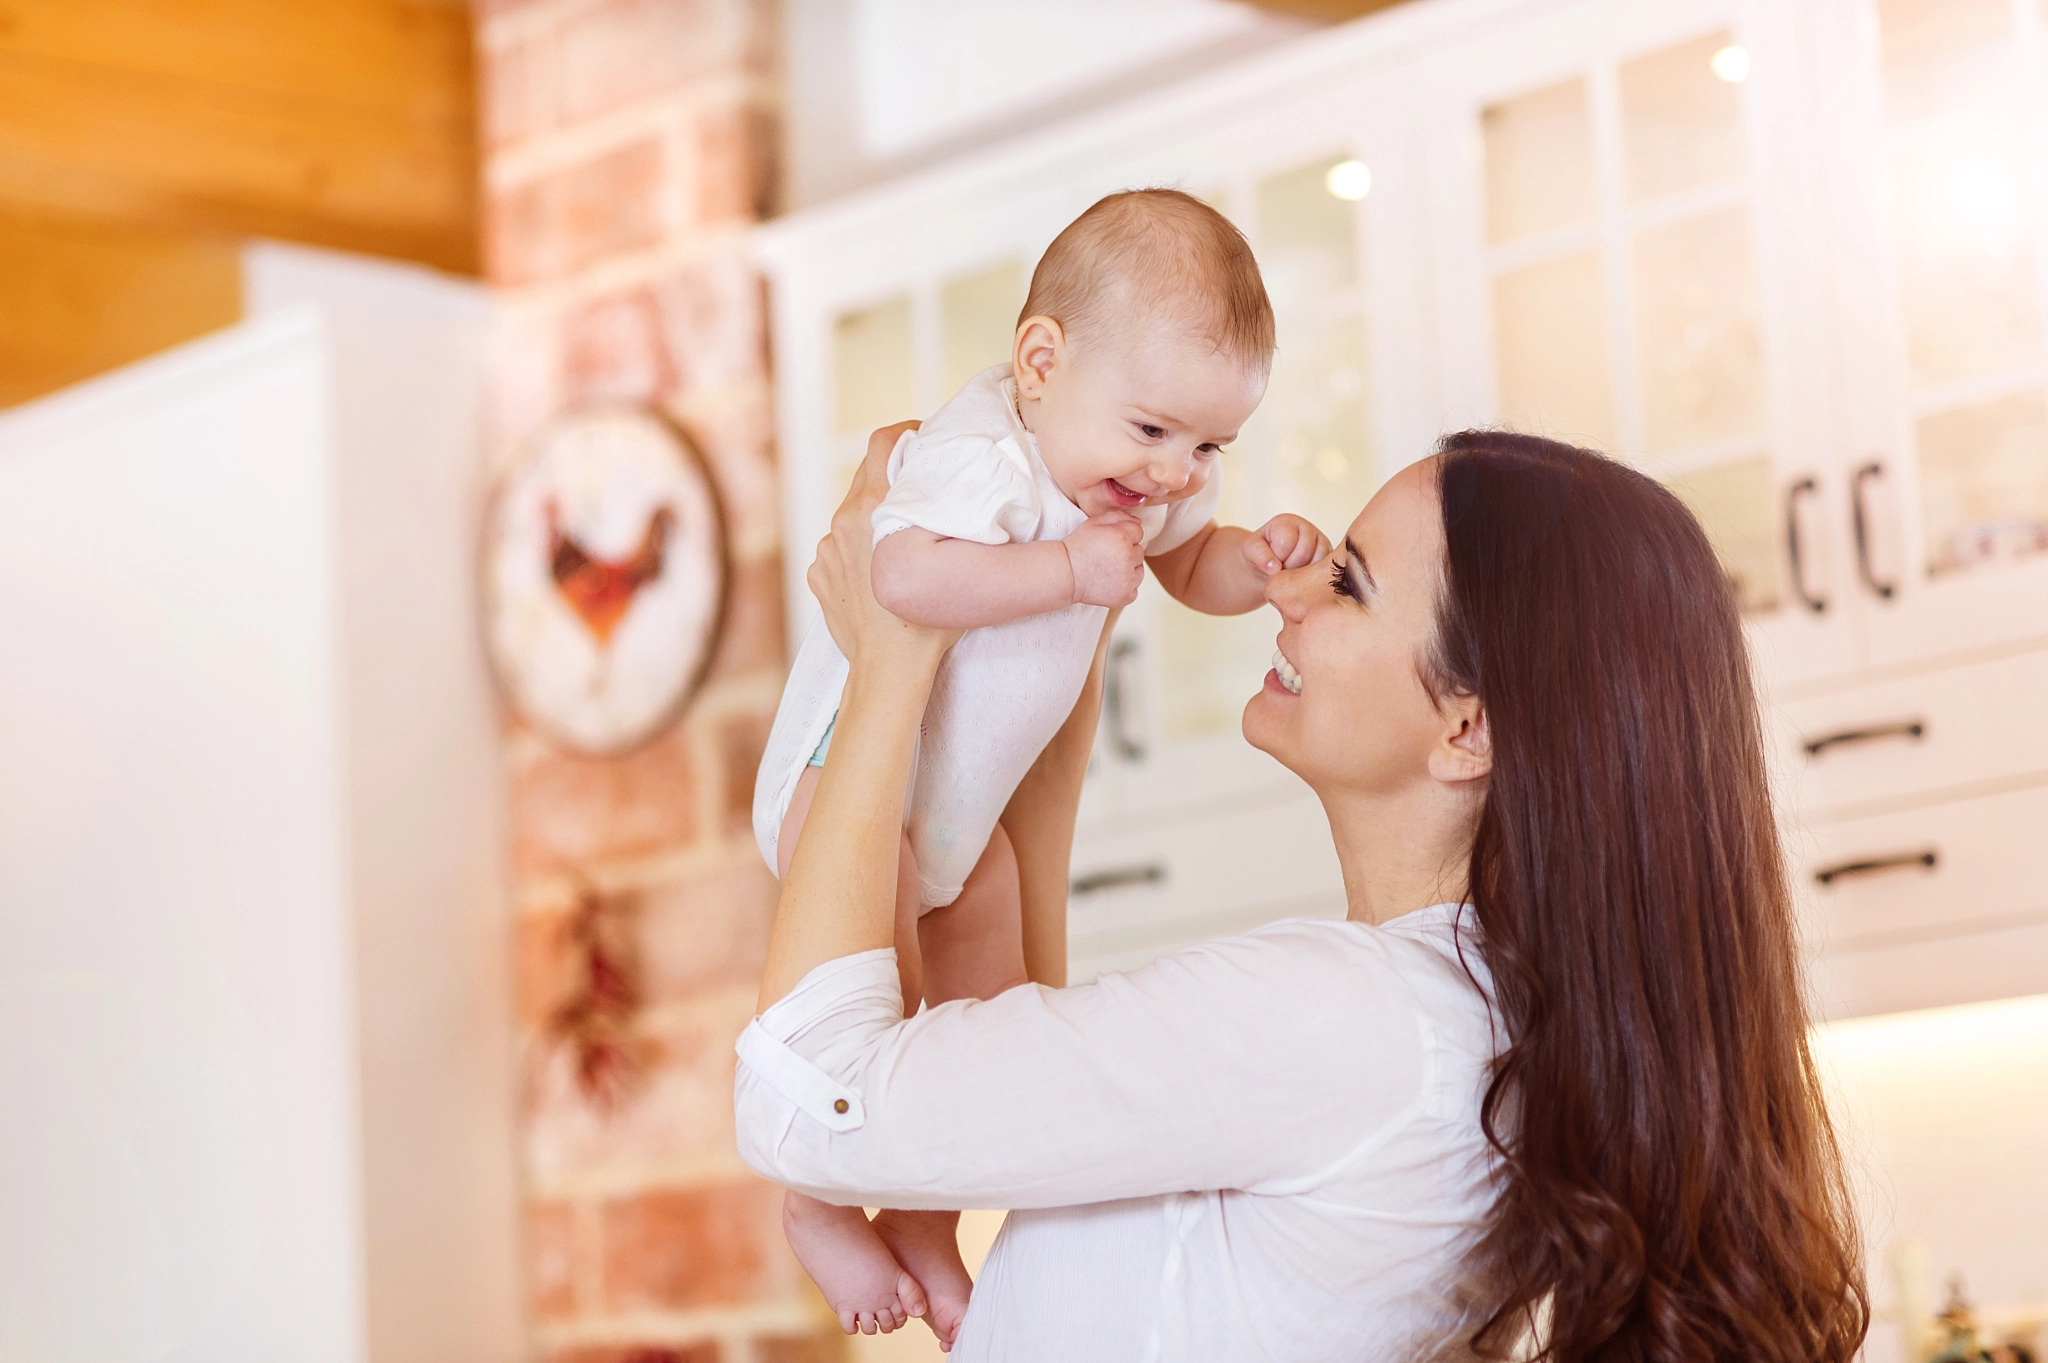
(1353, 627)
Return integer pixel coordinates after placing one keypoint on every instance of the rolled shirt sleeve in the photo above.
(1257, 1062)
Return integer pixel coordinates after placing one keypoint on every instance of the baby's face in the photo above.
(1130, 422)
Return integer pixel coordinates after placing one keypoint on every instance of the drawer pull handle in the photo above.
(1914, 729)
(1117, 877)
(1805, 487)
(1860, 522)
(1873, 866)
(1116, 700)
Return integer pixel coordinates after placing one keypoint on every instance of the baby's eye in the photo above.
(1150, 432)
(1211, 449)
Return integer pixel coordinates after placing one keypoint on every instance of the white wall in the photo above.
(425, 802)
(178, 1148)
(873, 89)
(256, 1088)
(1944, 1116)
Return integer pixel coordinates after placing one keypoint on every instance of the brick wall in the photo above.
(628, 144)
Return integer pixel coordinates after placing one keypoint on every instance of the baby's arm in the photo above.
(943, 583)
(1223, 569)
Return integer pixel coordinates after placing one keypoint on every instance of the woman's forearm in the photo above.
(1040, 822)
(840, 894)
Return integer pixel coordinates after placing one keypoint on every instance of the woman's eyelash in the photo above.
(1340, 581)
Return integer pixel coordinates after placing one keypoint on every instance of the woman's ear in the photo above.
(1465, 752)
(1040, 341)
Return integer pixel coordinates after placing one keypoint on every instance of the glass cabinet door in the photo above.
(1623, 266)
(1173, 739)
(1945, 283)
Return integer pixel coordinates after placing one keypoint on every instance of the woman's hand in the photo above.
(840, 576)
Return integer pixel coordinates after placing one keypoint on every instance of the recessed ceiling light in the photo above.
(1349, 180)
(1731, 64)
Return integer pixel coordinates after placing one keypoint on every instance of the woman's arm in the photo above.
(1040, 822)
(840, 894)
(1257, 1062)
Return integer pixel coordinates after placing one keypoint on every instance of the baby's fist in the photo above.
(1286, 541)
(1107, 554)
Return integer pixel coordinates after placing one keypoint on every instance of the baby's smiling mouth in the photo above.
(1122, 495)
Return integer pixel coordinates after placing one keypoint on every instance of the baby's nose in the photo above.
(1171, 474)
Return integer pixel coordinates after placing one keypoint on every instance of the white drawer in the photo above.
(1137, 894)
(1914, 736)
(1924, 873)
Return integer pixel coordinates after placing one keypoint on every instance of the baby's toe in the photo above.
(910, 1295)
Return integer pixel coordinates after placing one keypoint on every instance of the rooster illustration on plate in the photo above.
(604, 574)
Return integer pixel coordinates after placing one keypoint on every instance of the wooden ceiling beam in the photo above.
(1329, 11)
(347, 123)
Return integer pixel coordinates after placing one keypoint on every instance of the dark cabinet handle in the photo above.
(1116, 701)
(1861, 521)
(1905, 728)
(1805, 487)
(1874, 866)
(1116, 878)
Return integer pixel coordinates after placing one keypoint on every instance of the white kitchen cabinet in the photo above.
(1699, 234)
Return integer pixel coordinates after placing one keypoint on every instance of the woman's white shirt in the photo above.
(1260, 1147)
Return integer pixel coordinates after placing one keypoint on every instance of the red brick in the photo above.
(687, 1247)
(826, 1346)
(545, 963)
(751, 638)
(737, 441)
(569, 811)
(558, 223)
(741, 740)
(680, 1110)
(513, 94)
(614, 348)
(551, 1259)
(618, 51)
(736, 167)
(714, 319)
(702, 1351)
(707, 932)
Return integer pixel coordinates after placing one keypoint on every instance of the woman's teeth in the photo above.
(1289, 678)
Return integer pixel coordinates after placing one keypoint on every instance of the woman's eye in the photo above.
(1340, 581)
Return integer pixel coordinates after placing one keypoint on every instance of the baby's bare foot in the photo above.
(928, 1244)
(862, 1282)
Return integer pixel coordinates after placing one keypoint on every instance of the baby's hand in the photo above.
(1107, 554)
(1284, 542)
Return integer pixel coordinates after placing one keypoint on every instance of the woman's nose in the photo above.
(1287, 591)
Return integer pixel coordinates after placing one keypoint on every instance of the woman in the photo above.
(1545, 1091)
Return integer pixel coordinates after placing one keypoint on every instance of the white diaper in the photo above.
(971, 472)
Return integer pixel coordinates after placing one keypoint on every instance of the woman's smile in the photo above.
(1283, 673)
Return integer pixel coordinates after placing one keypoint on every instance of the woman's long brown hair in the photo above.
(1671, 1187)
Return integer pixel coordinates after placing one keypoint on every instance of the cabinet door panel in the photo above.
(1943, 281)
(1625, 237)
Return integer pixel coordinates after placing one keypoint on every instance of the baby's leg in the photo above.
(973, 949)
(838, 1246)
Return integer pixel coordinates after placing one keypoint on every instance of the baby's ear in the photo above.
(1040, 341)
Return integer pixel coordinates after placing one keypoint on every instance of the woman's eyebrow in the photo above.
(1354, 561)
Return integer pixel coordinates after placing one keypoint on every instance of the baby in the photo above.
(1024, 511)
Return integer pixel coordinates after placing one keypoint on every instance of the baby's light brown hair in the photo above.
(1150, 256)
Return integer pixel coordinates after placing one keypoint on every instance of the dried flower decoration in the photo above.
(595, 1020)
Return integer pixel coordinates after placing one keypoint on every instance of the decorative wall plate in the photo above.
(604, 579)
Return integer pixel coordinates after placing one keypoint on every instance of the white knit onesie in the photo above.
(971, 472)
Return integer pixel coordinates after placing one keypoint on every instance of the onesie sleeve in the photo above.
(1257, 1062)
(1184, 519)
(960, 486)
